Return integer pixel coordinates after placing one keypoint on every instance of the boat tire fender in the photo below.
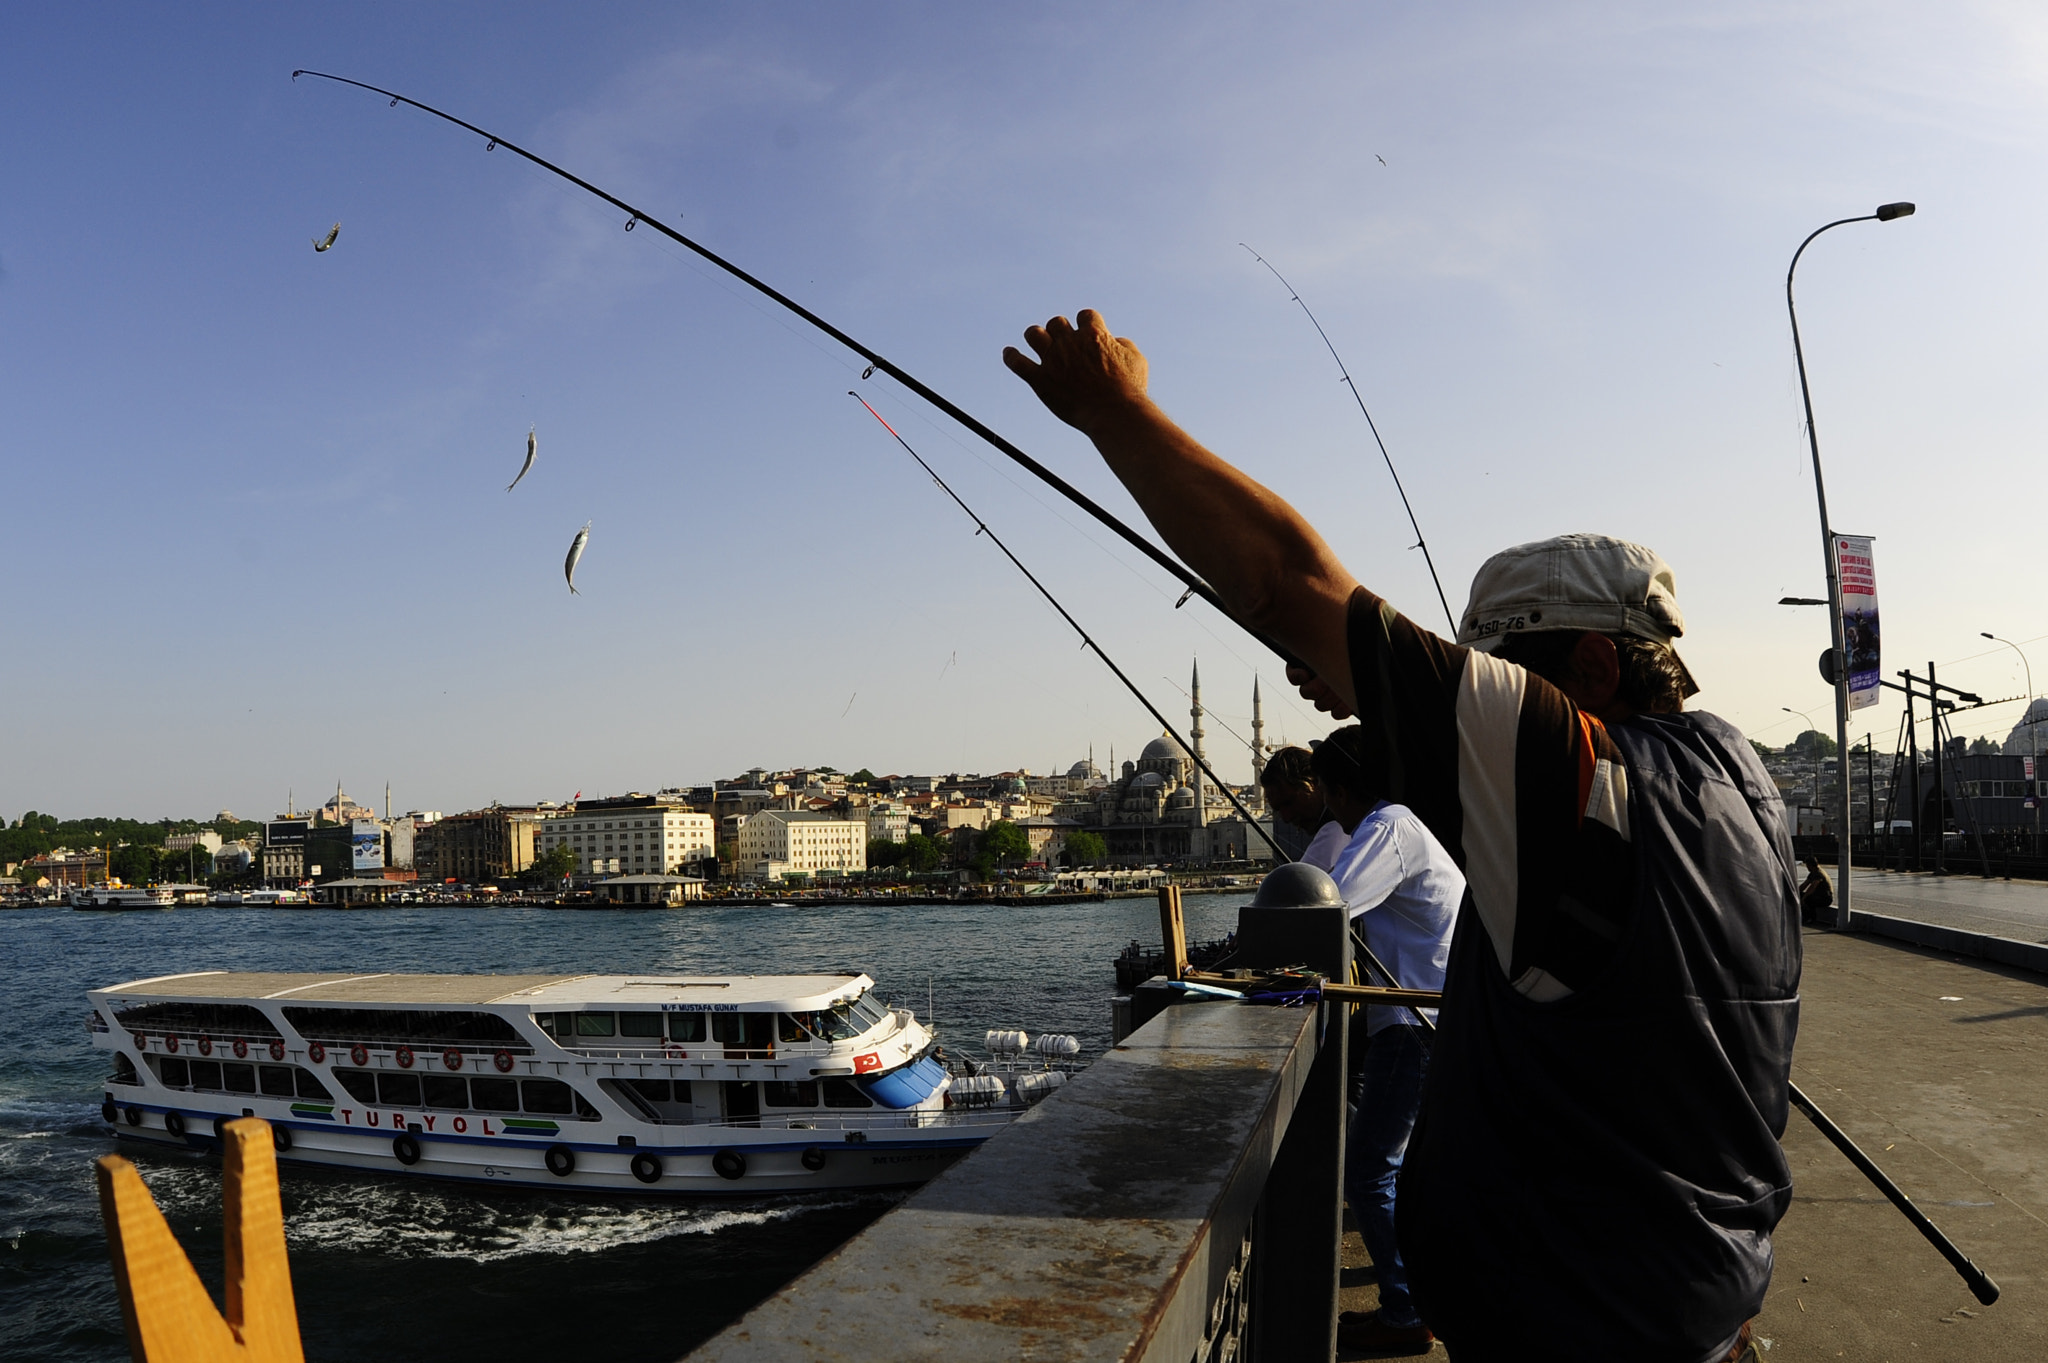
(729, 1164)
(109, 1113)
(281, 1137)
(813, 1158)
(407, 1147)
(134, 1116)
(561, 1161)
(647, 1167)
(174, 1122)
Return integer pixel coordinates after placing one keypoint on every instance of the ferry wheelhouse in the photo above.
(729, 1084)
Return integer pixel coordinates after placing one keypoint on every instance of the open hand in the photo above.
(1085, 376)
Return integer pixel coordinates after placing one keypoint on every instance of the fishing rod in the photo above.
(1413, 524)
(1195, 585)
(1087, 640)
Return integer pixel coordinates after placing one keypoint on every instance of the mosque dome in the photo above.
(1184, 798)
(1163, 749)
(1084, 771)
(1147, 780)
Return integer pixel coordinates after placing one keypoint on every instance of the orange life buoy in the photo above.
(452, 1058)
(241, 1048)
(403, 1055)
(316, 1053)
(359, 1055)
(277, 1050)
(503, 1060)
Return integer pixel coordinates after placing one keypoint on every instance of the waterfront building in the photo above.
(632, 834)
(480, 845)
(206, 840)
(650, 889)
(284, 853)
(800, 842)
(234, 858)
(62, 867)
(888, 821)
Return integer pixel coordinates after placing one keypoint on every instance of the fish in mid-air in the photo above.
(575, 556)
(532, 448)
(320, 245)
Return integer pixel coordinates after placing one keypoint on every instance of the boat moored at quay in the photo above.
(745, 1084)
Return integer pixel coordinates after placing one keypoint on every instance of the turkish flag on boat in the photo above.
(864, 1063)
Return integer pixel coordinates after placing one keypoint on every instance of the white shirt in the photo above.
(1395, 875)
(1323, 848)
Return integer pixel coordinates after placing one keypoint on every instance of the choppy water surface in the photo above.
(398, 1269)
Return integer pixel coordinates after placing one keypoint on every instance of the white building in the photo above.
(631, 836)
(206, 840)
(888, 823)
(801, 842)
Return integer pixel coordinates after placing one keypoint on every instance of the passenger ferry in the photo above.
(122, 897)
(621, 1083)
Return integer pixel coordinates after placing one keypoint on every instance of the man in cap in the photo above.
(1596, 1170)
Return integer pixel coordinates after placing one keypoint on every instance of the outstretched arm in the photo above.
(1273, 571)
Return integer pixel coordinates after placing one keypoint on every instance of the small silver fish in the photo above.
(575, 556)
(532, 448)
(320, 245)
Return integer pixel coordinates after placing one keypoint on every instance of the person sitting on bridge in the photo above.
(1596, 1169)
(1289, 783)
(1816, 894)
(1402, 888)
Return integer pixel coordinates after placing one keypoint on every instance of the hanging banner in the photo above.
(1858, 575)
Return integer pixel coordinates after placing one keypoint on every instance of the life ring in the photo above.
(109, 1113)
(241, 1048)
(359, 1055)
(403, 1055)
(134, 1115)
(316, 1053)
(277, 1050)
(171, 1042)
(561, 1161)
(174, 1122)
(503, 1060)
(647, 1167)
(141, 1041)
(813, 1158)
(206, 1045)
(452, 1058)
(675, 1054)
(406, 1148)
(729, 1164)
(281, 1137)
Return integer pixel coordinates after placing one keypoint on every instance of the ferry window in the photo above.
(594, 1024)
(743, 1029)
(584, 1111)
(238, 1078)
(217, 1019)
(311, 1087)
(801, 1093)
(685, 1026)
(445, 1090)
(398, 1090)
(172, 1071)
(640, 1024)
(361, 1084)
(124, 1070)
(741, 1100)
(416, 1027)
(494, 1095)
(276, 1081)
(844, 1093)
(546, 1095)
(653, 1090)
(869, 1011)
(834, 1024)
(206, 1074)
(788, 1028)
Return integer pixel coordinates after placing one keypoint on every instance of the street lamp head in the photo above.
(1886, 212)
(1987, 634)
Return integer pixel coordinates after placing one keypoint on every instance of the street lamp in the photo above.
(2033, 733)
(1816, 756)
(1884, 213)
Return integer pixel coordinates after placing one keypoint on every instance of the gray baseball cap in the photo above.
(1573, 582)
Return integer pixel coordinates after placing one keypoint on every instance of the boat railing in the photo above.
(871, 1121)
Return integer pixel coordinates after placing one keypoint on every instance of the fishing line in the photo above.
(1420, 542)
(1087, 640)
(635, 217)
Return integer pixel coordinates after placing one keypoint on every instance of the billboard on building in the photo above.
(366, 844)
(285, 833)
(1858, 574)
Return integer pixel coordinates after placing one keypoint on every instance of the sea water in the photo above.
(402, 1269)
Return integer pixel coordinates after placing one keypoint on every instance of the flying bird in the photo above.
(1379, 158)
(320, 245)
(575, 557)
(532, 448)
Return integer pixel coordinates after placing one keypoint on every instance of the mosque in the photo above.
(1161, 808)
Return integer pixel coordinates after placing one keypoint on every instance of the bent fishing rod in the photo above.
(1195, 585)
(1374, 427)
(1088, 642)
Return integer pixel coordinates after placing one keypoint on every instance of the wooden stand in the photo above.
(1173, 930)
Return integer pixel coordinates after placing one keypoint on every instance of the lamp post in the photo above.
(1816, 756)
(1884, 213)
(2033, 733)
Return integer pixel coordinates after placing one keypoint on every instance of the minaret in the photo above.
(1195, 737)
(387, 793)
(1258, 747)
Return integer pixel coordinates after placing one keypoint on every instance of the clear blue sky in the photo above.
(256, 527)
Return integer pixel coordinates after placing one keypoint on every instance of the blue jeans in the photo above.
(1389, 1097)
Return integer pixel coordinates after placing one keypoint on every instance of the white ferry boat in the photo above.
(619, 1083)
(122, 897)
